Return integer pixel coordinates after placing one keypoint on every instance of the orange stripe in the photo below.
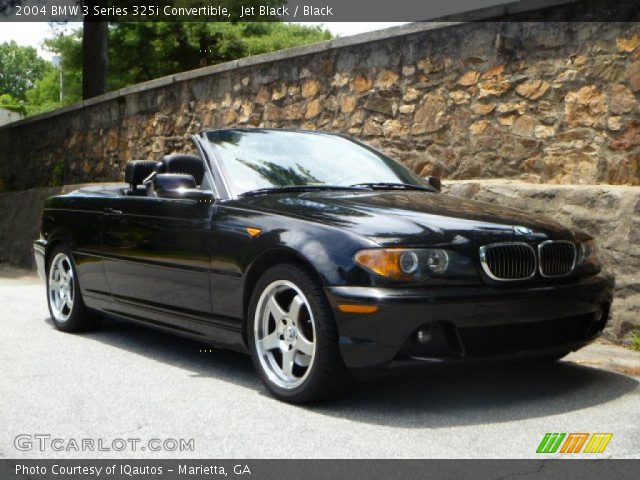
(574, 443)
(581, 442)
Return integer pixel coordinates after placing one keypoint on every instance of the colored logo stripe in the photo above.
(574, 442)
(550, 443)
(598, 442)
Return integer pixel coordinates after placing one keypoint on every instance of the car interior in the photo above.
(174, 173)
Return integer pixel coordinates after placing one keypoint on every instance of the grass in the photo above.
(635, 340)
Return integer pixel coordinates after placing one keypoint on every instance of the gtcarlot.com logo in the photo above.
(42, 442)
(574, 443)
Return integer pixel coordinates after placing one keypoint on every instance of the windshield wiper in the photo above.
(297, 188)
(392, 186)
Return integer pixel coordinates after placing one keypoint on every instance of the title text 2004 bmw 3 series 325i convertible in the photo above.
(321, 257)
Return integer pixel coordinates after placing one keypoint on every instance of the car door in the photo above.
(157, 258)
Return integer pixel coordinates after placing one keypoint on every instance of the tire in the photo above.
(66, 306)
(293, 337)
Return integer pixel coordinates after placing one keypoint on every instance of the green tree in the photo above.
(144, 51)
(20, 68)
(69, 49)
(45, 95)
(9, 103)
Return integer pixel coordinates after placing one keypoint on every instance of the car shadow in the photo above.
(443, 396)
(438, 396)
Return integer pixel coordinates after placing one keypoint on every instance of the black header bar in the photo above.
(118, 469)
(317, 10)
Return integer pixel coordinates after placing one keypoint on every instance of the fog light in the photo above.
(424, 335)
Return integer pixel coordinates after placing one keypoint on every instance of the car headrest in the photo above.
(182, 163)
(138, 170)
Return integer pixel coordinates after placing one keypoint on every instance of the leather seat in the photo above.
(136, 171)
(183, 163)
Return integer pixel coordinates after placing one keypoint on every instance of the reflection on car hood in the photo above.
(410, 216)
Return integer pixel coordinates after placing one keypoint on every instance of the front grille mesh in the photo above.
(509, 261)
(556, 258)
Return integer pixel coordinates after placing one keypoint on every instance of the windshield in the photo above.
(258, 159)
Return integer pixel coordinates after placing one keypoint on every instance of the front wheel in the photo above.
(64, 299)
(293, 337)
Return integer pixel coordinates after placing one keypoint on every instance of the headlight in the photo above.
(404, 264)
(588, 253)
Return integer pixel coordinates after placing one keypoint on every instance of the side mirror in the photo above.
(201, 196)
(434, 182)
(176, 185)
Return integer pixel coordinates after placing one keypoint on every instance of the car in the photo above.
(322, 257)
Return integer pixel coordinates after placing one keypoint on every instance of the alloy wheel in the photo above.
(61, 287)
(284, 334)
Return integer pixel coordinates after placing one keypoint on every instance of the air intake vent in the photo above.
(508, 261)
(557, 258)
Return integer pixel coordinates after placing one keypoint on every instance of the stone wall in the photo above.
(20, 225)
(610, 213)
(541, 102)
(8, 116)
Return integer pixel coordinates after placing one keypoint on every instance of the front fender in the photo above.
(328, 251)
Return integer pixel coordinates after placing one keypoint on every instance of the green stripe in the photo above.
(556, 445)
(543, 443)
(550, 443)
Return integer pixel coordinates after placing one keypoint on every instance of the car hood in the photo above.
(412, 217)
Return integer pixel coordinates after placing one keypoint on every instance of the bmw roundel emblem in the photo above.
(520, 230)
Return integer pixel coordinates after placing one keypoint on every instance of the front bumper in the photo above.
(469, 322)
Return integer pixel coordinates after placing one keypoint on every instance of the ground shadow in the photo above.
(439, 396)
(442, 396)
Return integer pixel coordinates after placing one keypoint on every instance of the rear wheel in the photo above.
(64, 299)
(293, 337)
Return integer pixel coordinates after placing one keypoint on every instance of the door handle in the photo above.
(112, 211)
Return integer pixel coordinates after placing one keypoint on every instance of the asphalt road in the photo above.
(127, 382)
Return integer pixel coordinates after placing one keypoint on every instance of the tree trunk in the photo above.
(94, 58)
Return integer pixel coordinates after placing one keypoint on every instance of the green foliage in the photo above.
(278, 36)
(20, 68)
(144, 51)
(69, 49)
(9, 103)
(635, 340)
(148, 50)
(45, 95)
(58, 174)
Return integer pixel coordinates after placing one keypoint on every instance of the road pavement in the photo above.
(129, 384)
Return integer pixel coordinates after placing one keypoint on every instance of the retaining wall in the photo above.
(541, 102)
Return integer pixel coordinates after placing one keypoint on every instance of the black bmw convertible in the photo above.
(322, 258)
